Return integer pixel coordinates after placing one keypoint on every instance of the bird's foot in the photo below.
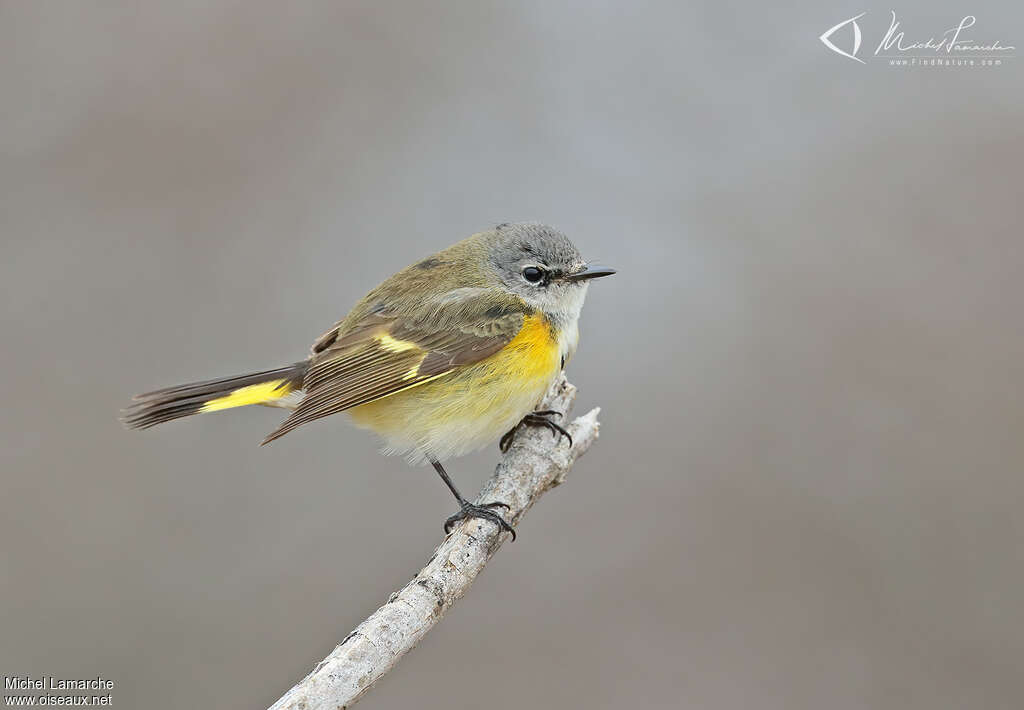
(539, 418)
(484, 512)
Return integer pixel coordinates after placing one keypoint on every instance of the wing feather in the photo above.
(380, 355)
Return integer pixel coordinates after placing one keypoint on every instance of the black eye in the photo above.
(533, 274)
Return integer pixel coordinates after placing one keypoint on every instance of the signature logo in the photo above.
(895, 44)
(826, 38)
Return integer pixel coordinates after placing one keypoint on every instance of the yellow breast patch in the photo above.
(470, 406)
(533, 353)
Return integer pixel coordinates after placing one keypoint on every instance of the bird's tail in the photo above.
(274, 388)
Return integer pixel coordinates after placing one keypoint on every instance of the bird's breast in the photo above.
(473, 405)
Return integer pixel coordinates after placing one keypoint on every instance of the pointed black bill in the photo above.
(590, 272)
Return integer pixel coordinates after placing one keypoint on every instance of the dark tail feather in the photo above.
(163, 405)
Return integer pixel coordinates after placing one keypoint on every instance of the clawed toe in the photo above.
(484, 512)
(506, 439)
(506, 506)
(539, 418)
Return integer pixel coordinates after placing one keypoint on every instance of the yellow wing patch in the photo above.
(394, 345)
(253, 394)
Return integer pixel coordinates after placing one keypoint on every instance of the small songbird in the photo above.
(439, 360)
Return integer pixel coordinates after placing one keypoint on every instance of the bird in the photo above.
(440, 359)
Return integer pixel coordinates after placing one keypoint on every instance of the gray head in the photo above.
(544, 268)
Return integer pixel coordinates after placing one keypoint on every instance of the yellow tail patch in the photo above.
(253, 394)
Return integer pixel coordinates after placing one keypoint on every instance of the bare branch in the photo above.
(534, 464)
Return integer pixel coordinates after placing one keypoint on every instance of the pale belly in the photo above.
(467, 409)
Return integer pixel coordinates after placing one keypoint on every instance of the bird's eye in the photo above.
(533, 274)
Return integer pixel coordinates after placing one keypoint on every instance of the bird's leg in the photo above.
(471, 510)
(539, 418)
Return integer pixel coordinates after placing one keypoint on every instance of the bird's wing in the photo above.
(383, 353)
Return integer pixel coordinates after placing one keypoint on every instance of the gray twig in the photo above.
(534, 464)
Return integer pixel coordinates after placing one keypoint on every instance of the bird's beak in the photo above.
(590, 271)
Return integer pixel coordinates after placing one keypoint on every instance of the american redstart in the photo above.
(439, 360)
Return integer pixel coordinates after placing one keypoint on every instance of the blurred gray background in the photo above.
(807, 490)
